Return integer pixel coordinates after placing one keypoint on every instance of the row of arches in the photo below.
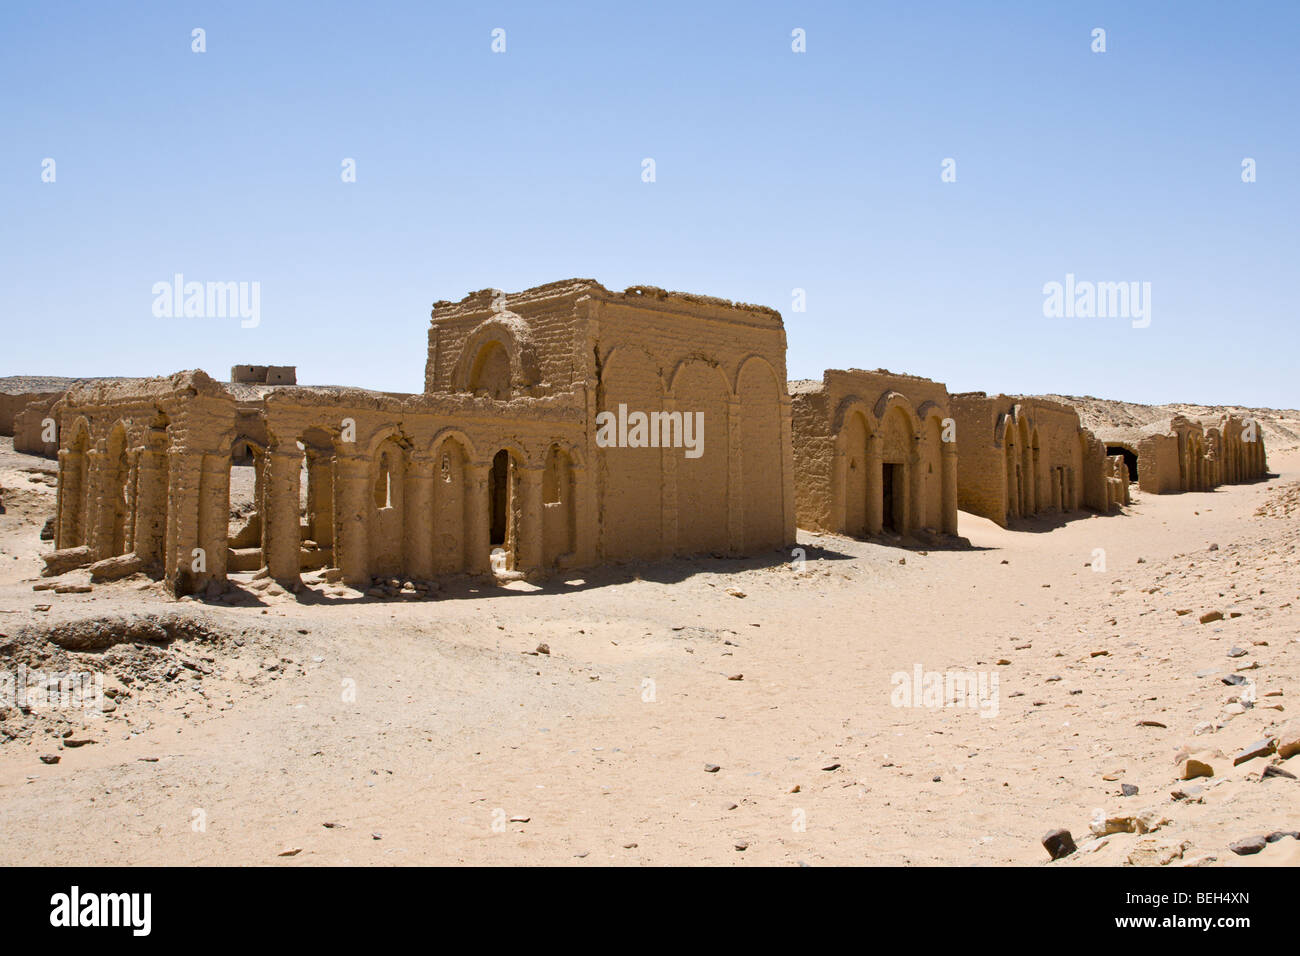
(112, 494)
(1035, 480)
(895, 470)
(1193, 466)
(393, 512)
(1239, 450)
(387, 509)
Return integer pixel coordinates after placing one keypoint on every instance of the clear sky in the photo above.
(774, 170)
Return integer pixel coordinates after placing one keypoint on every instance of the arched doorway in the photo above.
(897, 445)
(115, 488)
(854, 444)
(503, 503)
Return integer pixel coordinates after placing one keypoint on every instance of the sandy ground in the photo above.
(357, 730)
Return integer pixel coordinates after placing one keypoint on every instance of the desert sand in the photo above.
(714, 711)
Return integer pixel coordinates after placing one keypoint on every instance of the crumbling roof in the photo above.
(564, 287)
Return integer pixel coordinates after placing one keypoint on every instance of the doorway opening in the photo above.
(1130, 459)
(891, 494)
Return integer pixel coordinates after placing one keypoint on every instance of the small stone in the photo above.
(1260, 748)
(544, 649)
(1149, 820)
(50, 758)
(1248, 846)
(736, 592)
(1128, 789)
(519, 819)
(1151, 723)
(1153, 852)
(1272, 770)
(1058, 844)
(833, 766)
(711, 768)
(736, 677)
(1193, 768)
(1209, 617)
(1233, 680)
(291, 851)
(1281, 835)
(1237, 652)
(742, 846)
(1288, 740)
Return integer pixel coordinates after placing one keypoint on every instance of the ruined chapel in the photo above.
(495, 466)
(566, 426)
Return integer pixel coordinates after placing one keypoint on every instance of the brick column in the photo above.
(875, 493)
(99, 510)
(528, 552)
(478, 536)
(668, 492)
(281, 522)
(788, 518)
(418, 514)
(735, 480)
(915, 487)
(351, 530)
(200, 502)
(949, 487)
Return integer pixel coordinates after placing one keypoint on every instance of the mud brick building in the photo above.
(870, 454)
(499, 455)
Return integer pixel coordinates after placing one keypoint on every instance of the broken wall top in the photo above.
(481, 303)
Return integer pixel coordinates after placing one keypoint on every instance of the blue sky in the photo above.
(774, 171)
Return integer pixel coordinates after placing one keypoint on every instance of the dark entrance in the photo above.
(499, 494)
(1130, 459)
(891, 494)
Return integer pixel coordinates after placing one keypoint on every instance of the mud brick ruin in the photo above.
(565, 426)
(871, 454)
(1181, 454)
(1026, 456)
(499, 454)
(264, 374)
